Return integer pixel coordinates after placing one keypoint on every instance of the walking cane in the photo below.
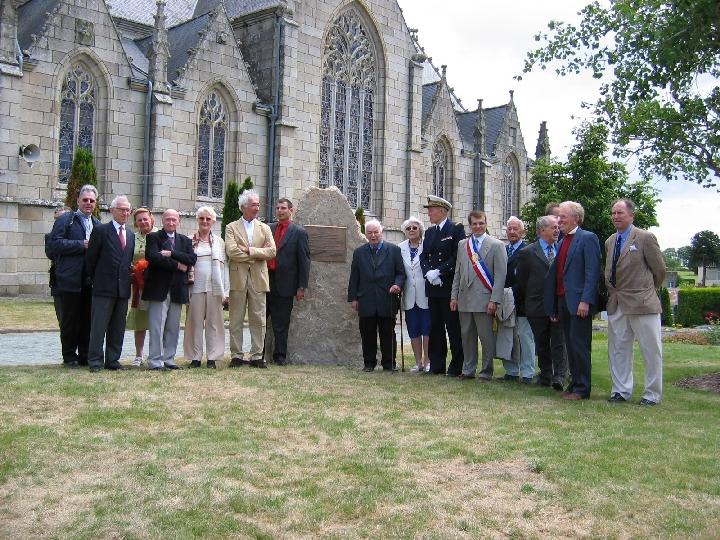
(402, 348)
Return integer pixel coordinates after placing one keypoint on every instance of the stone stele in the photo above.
(324, 327)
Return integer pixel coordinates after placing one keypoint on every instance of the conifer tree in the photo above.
(83, 172)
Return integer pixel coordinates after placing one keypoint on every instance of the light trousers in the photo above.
(474, 325)
(204, 316)
(254, 302)
(164, 322)
(622, 331)
(522, 363)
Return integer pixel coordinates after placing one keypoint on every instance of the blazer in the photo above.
(510, 277)
(531, 268)
(470, 293)
(249, 266)
(439, 252)
(371, 279)
(640, 271)
(67, 246)
(163, 276)
(107, 264)
(580, 276)
(292, 259)
(414, 291)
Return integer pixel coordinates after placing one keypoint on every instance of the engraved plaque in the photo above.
(327, 243)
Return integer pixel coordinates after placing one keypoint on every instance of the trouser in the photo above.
(442, 319)
(205, 316)
(279, 309)
(622, 331)
(75, 325)
(550, 349)
(108, 324)
(254, 302)
(578, 340)
(164, 322)
(474, 325)
(370, 329)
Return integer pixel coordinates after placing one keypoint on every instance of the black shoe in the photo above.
(368, 369)
(211, 364)
(617, 398)
(391, 370)
(172, 366)
(557, 386)
(235, 362)
(526, 380)
(262, 364)
(159, 368)
(73, 364)
(647, 403)
(280, 362)
(95, 369)
(509, 378)
(464, 377)
(194, 364)
(117, 366)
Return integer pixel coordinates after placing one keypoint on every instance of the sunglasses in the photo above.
(88, 200)
(412, 228)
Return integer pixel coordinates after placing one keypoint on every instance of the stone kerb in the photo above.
(324, 327)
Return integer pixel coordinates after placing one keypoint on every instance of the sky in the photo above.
(484, 43)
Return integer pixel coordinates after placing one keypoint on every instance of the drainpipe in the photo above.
(408, 151)
(146, 148)
(272, 119)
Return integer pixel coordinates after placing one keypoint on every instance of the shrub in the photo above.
(694, 303)
(713, 334)
(360, 217)
(689, 338)
(82, 172)
(231, 210)
(667, 314)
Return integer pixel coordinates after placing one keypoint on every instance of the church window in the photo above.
(510, 200)
(77, 116)
(347, 144)
(439, 169)
(212, 134)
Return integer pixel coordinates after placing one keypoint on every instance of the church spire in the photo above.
(159, 53)
(542, 150)
(480, 128)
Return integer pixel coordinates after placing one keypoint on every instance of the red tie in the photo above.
(121, 235)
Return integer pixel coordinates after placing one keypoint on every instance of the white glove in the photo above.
(433, 275)
(437, 282)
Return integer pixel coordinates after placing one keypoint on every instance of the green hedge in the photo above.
(667, 314)
(694, 303)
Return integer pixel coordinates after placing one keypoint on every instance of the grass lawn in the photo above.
(306, 452)
(27, 314)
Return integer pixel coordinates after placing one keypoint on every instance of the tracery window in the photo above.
(348, 110)
(212, 134)
(77, 116)
(439, 169)
(510, 201)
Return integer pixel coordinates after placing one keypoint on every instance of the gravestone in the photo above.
(324, 327)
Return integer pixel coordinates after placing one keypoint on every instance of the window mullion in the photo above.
(346, 147)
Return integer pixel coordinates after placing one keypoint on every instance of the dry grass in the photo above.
(27, 314)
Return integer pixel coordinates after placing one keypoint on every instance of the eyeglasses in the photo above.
(88, 200)
(412, 228)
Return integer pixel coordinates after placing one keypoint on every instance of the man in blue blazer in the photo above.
(107, 261)
(377, 276)
(571, 294)
(68, 242)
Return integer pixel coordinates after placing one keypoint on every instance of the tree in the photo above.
(589, 178)
(660, 61)
(82, 172)
(231, 209)
(683, 254)
(671, 259)
(705, 251)
(360, 217)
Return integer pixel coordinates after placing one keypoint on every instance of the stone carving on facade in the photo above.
(84, 33)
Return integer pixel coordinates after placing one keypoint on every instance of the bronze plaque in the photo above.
(327, 243)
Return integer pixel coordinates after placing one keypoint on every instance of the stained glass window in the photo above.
(78, 101)
(439, 169)
(347, 138)
(510, 201)
(212, 135)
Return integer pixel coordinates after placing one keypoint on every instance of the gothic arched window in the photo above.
(348, 110)
(439, 169)
(510, 191)
(77, 116)
(212, 133)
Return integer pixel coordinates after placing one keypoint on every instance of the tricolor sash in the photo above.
(478, 265)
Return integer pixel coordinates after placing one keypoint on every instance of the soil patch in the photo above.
(711, 382)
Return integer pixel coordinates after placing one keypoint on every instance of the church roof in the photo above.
(237, 8)
(466, 125)
(428, 93)
(32, 16)
(143, 11)
(493, 122)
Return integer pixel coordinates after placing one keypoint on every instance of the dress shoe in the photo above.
(368, 369)
(280, 361)
(616, 398)
(159, 368)
(484, 379)
(95, 369)
(211, 364)
(194, 364)
(262, 363)
(117, 366)
(573, 396)
(172, 366)
(557, 386)
(526, 380)
(390, 369)
(235, 362)
(647, 403)
(509, 378)
(464, 377)
(71, 365)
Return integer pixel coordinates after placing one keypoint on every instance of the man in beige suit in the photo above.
(634, 268)
(477, 289)
(249, 244)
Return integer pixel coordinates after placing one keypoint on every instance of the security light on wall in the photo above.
(30, 153)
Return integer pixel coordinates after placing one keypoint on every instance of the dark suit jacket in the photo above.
(162, 275)
(292, 259)
(370, 280)
(67, 246)
(107, 264)
(510, 277)
(531, 266)
(580, 275)
(440, 252)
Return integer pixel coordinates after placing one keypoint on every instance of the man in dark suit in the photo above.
(532, 266)
(68, 242)
(571, 294)
(438, 265)
(169, 255)
(288, 272)
(107, 261)
(377, 276)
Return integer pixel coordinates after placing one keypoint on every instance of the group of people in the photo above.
(101, 269)
(520, 300)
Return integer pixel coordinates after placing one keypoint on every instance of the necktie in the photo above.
(550, 254)
(616, 256)
(510, 250)
(172, 242)
(121, 236)
(88, 227)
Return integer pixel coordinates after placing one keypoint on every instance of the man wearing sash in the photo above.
(477, 290)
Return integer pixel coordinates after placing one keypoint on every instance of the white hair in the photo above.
(118, 199)
(374, 222)
(416, 221)
(91, 188)
(246, 195)
(516, 219)
(209, 210)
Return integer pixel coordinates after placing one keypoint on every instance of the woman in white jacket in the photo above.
(415, 303)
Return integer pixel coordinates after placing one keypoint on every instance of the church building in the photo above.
(176, 98)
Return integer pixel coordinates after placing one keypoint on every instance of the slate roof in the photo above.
(428, 93)
(31, 19)
(466, 125)
(143, 11)
(236, 8)
(493, 122)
